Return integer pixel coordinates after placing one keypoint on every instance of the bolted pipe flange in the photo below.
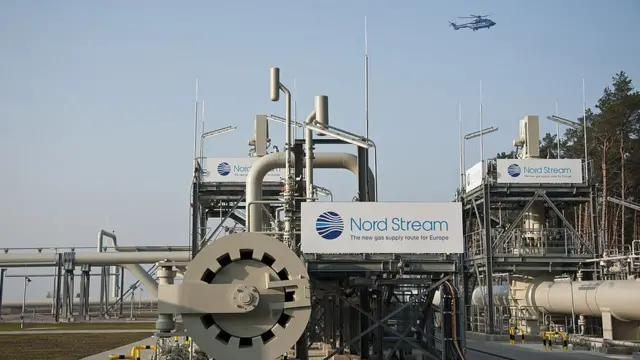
(246, 297)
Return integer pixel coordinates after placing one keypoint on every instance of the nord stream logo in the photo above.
(514, 170)
(224, 169)
(329, 225)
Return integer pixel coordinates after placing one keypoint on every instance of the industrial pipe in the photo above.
(590, 298)
(308, 148)
(97, 259)
(578, 338)
(16, 304)
(276, 160)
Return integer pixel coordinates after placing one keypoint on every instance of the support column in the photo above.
(380, 311)
(58, 292)
(363, 174)
(2, 272)
(121, 306)
(85, 286)
(69, 267)
(488, 244)
(195, 214)
(364, 322)
(302, 345)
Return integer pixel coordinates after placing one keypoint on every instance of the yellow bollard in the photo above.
(116, 357)
(512, 335)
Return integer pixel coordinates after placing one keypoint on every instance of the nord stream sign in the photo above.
(381, 227)
(233, 170)
(539, 171)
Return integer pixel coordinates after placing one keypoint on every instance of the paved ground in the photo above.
(122, 350)
(532, 351)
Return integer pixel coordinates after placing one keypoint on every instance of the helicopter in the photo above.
(480, 22)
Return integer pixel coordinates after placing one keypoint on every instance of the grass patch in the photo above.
(62, 346)
(80, 326)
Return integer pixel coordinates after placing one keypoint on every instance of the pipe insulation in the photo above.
(591, 298)
(273, 161)
(16, 304)
(104, 258)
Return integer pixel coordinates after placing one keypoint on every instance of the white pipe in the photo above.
(590, 298)
(43, 260)
(276, 160)
(16, 304)
(308, 144)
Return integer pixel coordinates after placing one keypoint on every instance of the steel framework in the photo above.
(500, 250)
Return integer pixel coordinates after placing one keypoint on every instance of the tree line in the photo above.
(613, 149)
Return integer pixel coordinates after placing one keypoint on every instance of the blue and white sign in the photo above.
(381, 228)
(539, 171)
(234, 170)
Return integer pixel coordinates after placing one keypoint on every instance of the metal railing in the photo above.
(528, 242)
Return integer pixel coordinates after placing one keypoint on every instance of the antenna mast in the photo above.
(584, 130)
(366, 80)
(195, 130)
(460, 144)
(558, 130)
(201, 158)
(481, 134)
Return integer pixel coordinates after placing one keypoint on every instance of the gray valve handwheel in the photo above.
(278, 315)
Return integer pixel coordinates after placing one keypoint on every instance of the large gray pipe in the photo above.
(277, 161)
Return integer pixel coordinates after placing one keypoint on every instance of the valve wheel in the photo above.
(272, 327)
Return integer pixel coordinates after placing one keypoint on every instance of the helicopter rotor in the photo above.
(471, 16)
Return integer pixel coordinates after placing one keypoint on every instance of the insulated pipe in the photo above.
(111, 271)
(276, 160)
(590, 298)
(308, 148)
(97, 259)
(145, 278)
(135, 269)
(17, 304)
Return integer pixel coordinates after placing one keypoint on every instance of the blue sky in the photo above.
(96, 98)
